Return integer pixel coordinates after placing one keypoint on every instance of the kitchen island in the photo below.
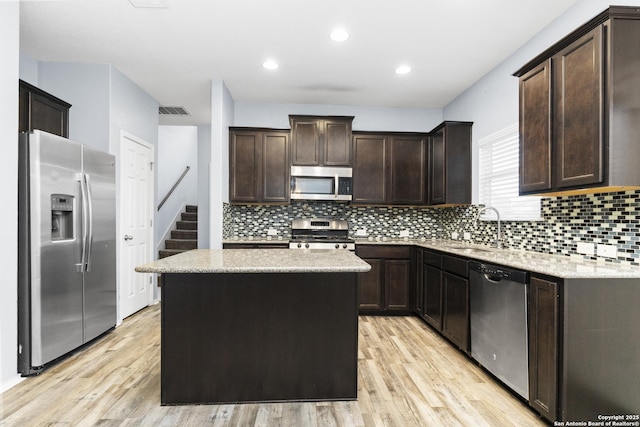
(258, 325)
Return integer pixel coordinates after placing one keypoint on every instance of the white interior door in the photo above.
(136, 223)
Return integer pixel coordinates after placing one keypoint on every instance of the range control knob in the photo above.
(306, 245)
(299, 245)
(337, 245)
(344, 246)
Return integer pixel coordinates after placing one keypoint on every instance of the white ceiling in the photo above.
(174, 53)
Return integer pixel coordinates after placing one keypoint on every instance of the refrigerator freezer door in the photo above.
(100, 274)
(56, 283)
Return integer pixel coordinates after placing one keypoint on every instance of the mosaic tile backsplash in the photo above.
(607, 218)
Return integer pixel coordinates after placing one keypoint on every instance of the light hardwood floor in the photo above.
(408, 376)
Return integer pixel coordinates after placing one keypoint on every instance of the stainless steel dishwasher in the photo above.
(498, 300)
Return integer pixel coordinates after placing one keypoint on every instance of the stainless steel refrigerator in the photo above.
(66, 247)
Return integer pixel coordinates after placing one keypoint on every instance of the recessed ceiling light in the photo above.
(403, 69)
(339, 35)
(270, 64)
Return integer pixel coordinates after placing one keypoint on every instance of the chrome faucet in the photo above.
(498, 236)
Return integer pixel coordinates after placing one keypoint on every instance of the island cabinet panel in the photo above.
(575, 101)
(230, 338)
(386, 288)
(258, 166)
(543, 346)
(43, 111)
(321, 141)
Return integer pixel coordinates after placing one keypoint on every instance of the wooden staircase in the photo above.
(185, 237)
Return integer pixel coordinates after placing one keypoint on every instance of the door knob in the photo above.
(127, 237)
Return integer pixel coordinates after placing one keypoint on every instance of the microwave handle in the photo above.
(337, 186)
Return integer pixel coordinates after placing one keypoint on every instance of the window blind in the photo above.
(499, 161)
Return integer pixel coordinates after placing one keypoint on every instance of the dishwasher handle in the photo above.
(493, 278)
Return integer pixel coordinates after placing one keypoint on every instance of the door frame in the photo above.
(151, 203)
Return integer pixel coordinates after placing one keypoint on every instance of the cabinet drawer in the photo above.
(432, 258)
(455, 265)
(384, 252)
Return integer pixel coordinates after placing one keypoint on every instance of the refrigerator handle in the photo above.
(85, 225)
(89, 212)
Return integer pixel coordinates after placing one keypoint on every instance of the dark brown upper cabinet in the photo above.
(321, 141)
(258, 165)
(578, 104)
(389, 168)
(449, 173)
(43, 111)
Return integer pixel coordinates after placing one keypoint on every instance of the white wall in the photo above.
(28, 69)
(177, 149)
(204, 179)
(222, 116)
(273, 115)
(87, 88)
(492, 102)
(9, 74)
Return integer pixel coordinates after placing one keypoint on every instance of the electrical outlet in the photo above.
(272, 232)
(454, 235)
(361, 232)
(467, 235)
(585, 248)
(608, 251)
(404, 233)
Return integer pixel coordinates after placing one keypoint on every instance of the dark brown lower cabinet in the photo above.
(455, 306)
(386, 287)
(432, 282)
(543, 347)
(370, 285)
(419, 284)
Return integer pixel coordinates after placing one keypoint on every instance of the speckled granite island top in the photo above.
(258, 261)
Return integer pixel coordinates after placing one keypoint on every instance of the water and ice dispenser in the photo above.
(61, 217)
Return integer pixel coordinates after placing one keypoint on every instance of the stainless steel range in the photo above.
(320, 233)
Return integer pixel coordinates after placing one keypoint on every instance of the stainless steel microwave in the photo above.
(321, 183)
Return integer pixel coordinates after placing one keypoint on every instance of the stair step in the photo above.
(189, 216)
(184, 234)
(168, 252)
(184, 244)
(192, 208)
(187, 225)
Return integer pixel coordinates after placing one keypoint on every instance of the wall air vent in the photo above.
(173, 111)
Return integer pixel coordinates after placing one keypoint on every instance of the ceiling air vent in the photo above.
(173, 111)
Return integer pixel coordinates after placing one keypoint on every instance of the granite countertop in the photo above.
(562, 266)
(566, 267)
(258, 261)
